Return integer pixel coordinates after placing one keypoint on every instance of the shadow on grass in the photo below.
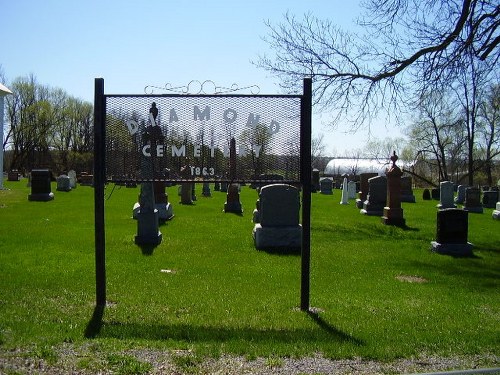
(196, 333)
(95, 323)
(333, 331)
(282, 250)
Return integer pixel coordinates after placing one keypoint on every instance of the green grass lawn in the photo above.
(377, 291)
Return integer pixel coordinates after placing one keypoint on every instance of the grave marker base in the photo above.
(42, 197)
(277, 237)
(454, 249)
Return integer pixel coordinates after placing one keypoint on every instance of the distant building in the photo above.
(354, 167)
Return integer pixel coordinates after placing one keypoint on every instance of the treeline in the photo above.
(46, 127)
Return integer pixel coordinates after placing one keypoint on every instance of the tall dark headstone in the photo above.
(315, 181)
(472, 202)
(393, 213)
(490, 198)
(147, 215)
(363, 188)
(376, 197)
(452, 232)
(407, 190)
(233, 203)
(40, 186)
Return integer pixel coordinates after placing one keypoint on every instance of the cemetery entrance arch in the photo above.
(201, 138)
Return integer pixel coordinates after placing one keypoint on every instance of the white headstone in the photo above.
(345, 193)
(446, 195)
(72, 179)
(351, 189)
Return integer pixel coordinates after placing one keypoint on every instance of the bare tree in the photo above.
(407, 46)
(489, 129)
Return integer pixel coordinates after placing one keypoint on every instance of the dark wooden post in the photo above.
(99, 180)
(305, 173)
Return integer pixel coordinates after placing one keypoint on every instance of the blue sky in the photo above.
(132, 44)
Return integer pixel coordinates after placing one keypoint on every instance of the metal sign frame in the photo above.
(101, 178)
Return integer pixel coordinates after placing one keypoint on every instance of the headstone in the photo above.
(13, 175)
(326, 185)
(472, 202)
(435, 194)
(165, 209)
(351, 190)
(446, 195)
(490, 198)
(278, 226)
(460, 198)
(345, 192)
(40, 185)
(376, 197)
(426, 195)
(407, 190)
(63, 183)
(496, 213)
(148, 232)
(363, 188)
(186, 191)
(315, 181)
(147, 217)
(233, 203)
(393, 213)
(72, 179)
(452, 232)
(206, 192)
(86, 179)
(193, 191)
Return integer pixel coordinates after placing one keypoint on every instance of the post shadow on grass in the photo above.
(332, 330)
(213, 334)
(95, 323)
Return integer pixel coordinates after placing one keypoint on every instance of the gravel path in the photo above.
(70, 360)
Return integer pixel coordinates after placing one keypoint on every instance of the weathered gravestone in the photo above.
(13, 175)
(426, 195)
(326, 185)
(40, 186)
(148, 232)
(233, 203)
(460, 198)
(407, 190)
(86, 179)
(472, 202)
(186, 191)
(351, 190)
(72, 179)
(278, 218)
(452, 231)
(393, 213)
(315, 181)
(147, 217)
(435, 193)
(446, 195)
(376, 197)
(490, 198)
(165, 209)
(63, 183)
(496, 213)
(363, 188)
(206, 192)
(345, 193)
(223, 187)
